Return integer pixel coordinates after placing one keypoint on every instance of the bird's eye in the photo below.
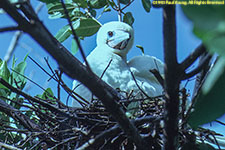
(110, 33)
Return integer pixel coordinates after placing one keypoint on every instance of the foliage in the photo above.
(16, 79)
(83, 16)
(210, 102)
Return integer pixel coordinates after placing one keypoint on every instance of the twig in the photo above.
(158, 76)
(6, 29)
(59, 74)
(7, 146)
(202, 65)
(220, 122)
(16, 38)
(131, 1)
(172, 79)
(193, 56)
(183, 105)
(12, 45)
(17, 115)
(29, 80)
(113, 131)
(75, 35)
(119, 11)
(63, 142)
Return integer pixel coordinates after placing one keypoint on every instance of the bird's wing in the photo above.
(140, 66)
(83, 94)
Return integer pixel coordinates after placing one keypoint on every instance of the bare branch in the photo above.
(158, 76)
(16, 38)
(202, 65)
(18, 115)
(12, 45)
(172, 78)
(75, 35)
(193, 57)
(9, 146)
(113, 131)
(119, 11)
(7, 29)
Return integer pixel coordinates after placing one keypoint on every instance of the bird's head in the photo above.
(118, 36)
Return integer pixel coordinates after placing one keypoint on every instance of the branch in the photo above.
(204, 63)
(119, 11)
(18, 115)
(6, 29)
(7, 146)
(172, 79)
(75, 35)
(200, 78)
(158, 76)
(115, 130)
(76, 70)
(16, 38)
(193, 56)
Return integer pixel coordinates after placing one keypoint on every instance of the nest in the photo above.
(46, 123)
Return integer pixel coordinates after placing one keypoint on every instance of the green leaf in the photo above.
(81, 3)
(74, 47)
(124, 1)
(106, 9)
(93, 12)
(146, 4)
(141, 48)
(4, 71)
(57, 7)
(17, 78)
(56, 15)
(48, 94)
(210, 104)
(86, 27)
(63, 33)
(77, 14)
(49, 1)
(128, 18)
(212, 33)
(97, 4)
(111, 3)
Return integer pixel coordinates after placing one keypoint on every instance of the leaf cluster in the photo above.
(210, 103)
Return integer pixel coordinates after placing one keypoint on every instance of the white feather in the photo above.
(108, 61)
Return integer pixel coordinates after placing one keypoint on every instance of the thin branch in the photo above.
(202, 65)
(7, 146)
(220, 122)
(193, 57)
(202, 75)
(172, 78)
(119, 11)
(131, 1)
(76, 70)
(113, 131)
(18, 115)
(16, 37)
(12, 28)
(75, 35)
(158, 76)
(12, 45)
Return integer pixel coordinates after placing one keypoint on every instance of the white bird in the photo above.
(108, 61)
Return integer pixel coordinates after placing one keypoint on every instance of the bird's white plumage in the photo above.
(108, 61)
(140, 66)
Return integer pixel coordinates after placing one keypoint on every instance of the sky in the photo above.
(148, 33)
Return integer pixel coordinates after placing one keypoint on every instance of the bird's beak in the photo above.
(119, 40)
